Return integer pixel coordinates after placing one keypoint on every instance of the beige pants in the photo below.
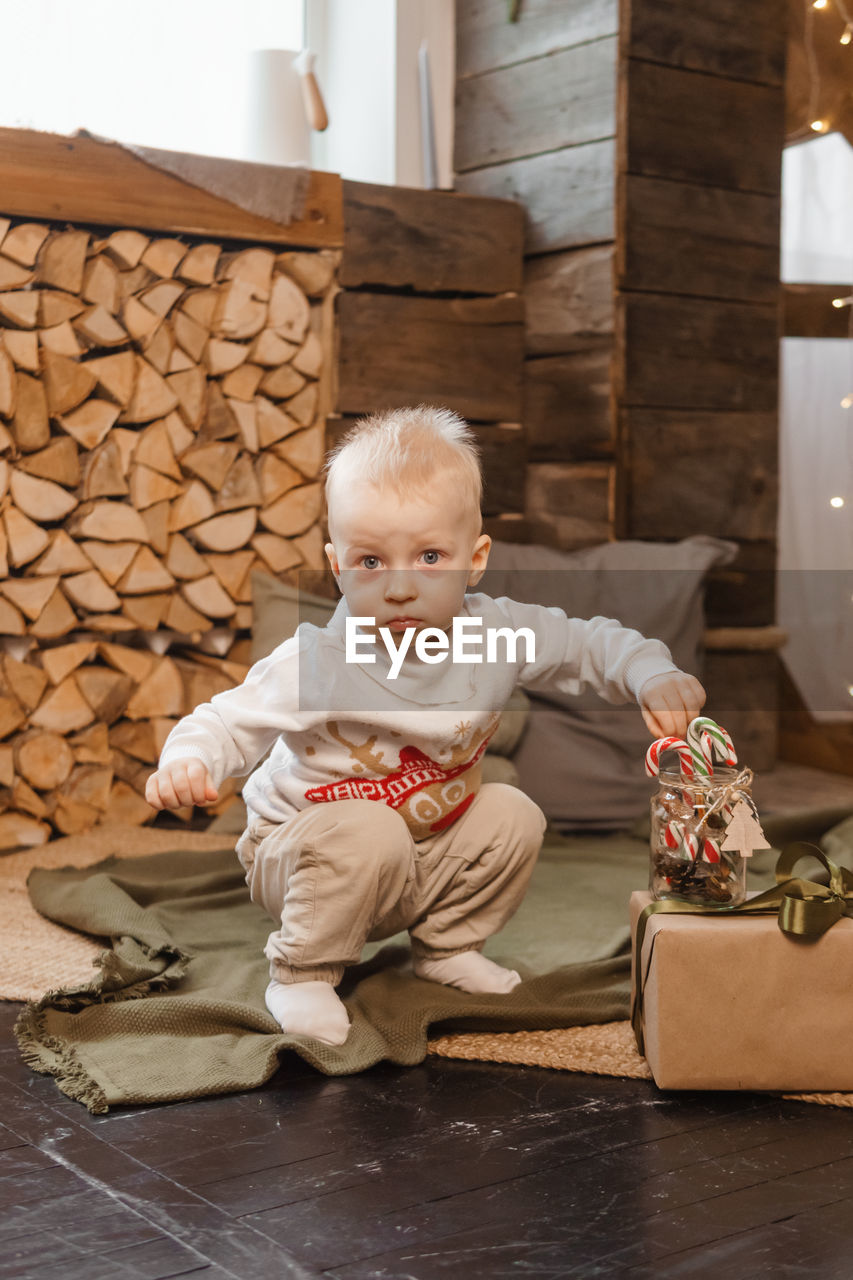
(343, 873)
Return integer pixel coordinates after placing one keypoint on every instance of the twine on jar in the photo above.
(727, 795)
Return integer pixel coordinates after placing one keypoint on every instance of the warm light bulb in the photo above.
(847, 34)
(847, 402)
(819, 4)
(819, 126)
(850, 690)
(842, 302)
(836, 502)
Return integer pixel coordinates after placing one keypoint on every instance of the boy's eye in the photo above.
(432, 557)
(370, 562)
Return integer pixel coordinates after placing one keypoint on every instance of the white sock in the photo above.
(470, 971)
(308, 1009)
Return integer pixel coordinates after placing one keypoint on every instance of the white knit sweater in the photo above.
(341, 730)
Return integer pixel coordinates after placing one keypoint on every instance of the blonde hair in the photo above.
(406, 448)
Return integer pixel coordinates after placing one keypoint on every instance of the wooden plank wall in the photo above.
(700, 136)
(644, 138)
(536, 121)
(430, 311)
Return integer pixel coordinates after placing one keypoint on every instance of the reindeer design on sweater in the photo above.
(429, 795)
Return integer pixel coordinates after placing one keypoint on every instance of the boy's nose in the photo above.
(399, 586)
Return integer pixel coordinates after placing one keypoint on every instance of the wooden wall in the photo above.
(536, 121)
(644, 138)
(701, 130)
(430, 311)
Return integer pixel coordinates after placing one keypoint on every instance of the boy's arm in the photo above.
(228, 735)
(617, 662)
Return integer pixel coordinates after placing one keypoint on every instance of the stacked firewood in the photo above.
(82, 725)
(160, 439)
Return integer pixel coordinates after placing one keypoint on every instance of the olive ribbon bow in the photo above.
(804, 909)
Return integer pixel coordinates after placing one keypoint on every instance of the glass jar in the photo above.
(688, 830)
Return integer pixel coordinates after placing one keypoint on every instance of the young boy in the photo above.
(369, 816)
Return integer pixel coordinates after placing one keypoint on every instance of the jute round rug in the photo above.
(38, 956)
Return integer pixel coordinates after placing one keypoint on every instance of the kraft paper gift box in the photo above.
(735, 1003)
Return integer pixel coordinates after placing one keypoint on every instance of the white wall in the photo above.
(434, 21)
(179, 74)
(356, 69)
(166, 73)
(368, 70)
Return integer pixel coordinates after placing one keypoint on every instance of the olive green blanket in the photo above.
(176, 1008)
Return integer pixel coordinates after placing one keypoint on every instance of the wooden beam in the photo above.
(485, 40)
(465, 353)
(567, 409)
(696, 353)
(500, 116)
(745, 639)
(690, 127)
(680, 237)
(807, 311)
(568, 300)
(690, 472)
(78, 179)
(722, 38)
(567, 194)
(743, 593)
(430, 241)
(570, 504)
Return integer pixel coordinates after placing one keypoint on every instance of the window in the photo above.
(174, 74)
(816, 436)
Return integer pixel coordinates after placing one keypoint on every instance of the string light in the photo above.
(847, 402)
(836, 502)
(843, 302)
(818, 125)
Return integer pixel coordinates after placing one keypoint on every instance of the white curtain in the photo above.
(816, 436)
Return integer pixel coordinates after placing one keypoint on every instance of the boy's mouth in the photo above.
(400, 624)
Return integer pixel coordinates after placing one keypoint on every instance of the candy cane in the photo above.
(691, 844)
(675, 836)
(710, 850)
(657, 749)
(706, 740)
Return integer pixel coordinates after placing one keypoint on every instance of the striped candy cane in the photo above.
(710, 850)
(675, 836)
(706, 739)
(657, 749)
(691, 844)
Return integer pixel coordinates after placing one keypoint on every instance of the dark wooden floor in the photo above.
(443, 1170)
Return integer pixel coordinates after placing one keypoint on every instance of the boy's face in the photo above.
(405, 561)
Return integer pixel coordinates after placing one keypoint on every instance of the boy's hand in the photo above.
(180, 783)
(669, 702)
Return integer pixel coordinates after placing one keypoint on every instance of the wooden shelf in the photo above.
(80, 179)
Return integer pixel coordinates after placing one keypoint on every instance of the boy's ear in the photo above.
(479, 558)
(333, 562)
